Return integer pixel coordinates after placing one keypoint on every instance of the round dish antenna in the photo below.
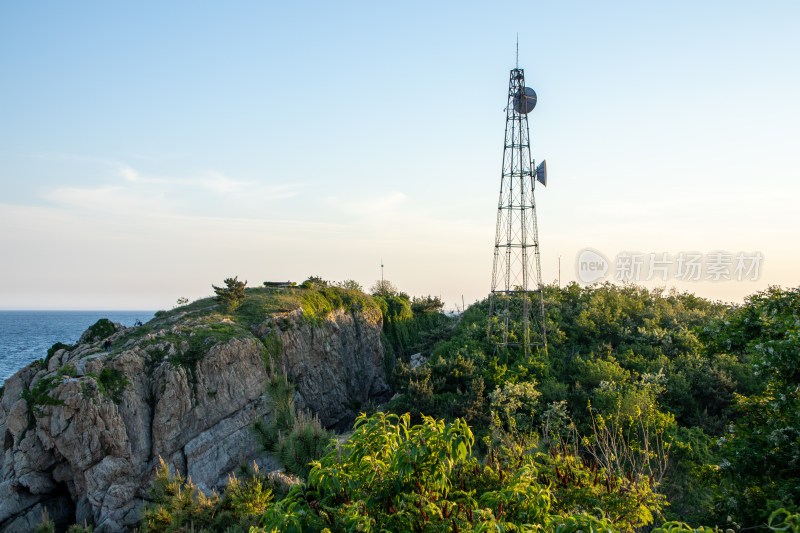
(525, 101)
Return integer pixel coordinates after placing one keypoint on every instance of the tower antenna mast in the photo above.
(516, 303)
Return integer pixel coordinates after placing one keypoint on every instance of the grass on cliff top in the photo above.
(262, 302)
(259, 304)
(318, 302)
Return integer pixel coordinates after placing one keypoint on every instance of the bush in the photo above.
(393, 476)
(179, 506)
(232, 294)
(54, 348)
(314, 282)
(100, 330)
(39, 396)
(383, 288)
(295, 437)
(112, 383)
(427, 304)
(350, 285)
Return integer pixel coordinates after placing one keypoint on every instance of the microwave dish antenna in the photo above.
(524, 100)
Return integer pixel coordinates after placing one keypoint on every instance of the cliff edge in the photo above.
(83, 429)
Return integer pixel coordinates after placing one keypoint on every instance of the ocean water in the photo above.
(26, 335)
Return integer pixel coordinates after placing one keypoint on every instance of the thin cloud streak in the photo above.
(369, 205)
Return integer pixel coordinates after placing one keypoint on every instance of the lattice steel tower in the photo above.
(516, 303)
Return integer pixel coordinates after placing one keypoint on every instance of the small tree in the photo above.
(350, 285)
(314, 282)
(427, 304)
(384, 288)
(232, 294)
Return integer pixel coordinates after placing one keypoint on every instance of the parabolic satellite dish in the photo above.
(525, 101)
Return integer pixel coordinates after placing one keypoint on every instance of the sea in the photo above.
(26, 335)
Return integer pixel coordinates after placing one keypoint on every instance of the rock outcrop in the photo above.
(82, 434)
(336, 369)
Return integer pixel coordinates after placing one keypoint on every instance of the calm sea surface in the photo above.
(26, 335)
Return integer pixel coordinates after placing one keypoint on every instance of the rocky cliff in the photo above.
(82, 432)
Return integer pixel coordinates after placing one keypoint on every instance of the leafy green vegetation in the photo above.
(39, 395)
(391, 475)
(671, 371)
(295, 437)
(178, 505)
(317, 303)
(649, 409)
(111, 383)
(198, 338)
(54, 348)
(760, 467)
(401, 477)
(100, 330)
(232, 294)
(67, 370)
(409, 327)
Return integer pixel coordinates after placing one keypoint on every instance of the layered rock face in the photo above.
(82, 436)
(336, 368)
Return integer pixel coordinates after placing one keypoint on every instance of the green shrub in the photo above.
(100, 330)
(273, 348)
(394, 476)
(294, 437)
(318, 303)
(179, 506)
(314, 282)
(350, 285)
(176, 504)
(54, 348)
(516, 404)
(39, 396)
(201, 339)
(427, 304)
(67, 370)
(111, 382)
(232, 294)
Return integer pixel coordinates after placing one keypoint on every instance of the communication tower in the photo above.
(516, 303)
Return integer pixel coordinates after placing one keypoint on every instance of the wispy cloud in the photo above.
(369, 205)
(109, 199)
(129, 174)
(126, 189)
(217, 182)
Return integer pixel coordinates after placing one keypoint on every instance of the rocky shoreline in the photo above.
(83, 431)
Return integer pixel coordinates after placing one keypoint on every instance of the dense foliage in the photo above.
(760, 467)
(647, 409)
(394, 476)
(704, 396)
(391, 475)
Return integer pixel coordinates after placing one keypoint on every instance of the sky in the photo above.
(151, 149)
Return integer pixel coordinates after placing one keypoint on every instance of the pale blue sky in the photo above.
(149, 150)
